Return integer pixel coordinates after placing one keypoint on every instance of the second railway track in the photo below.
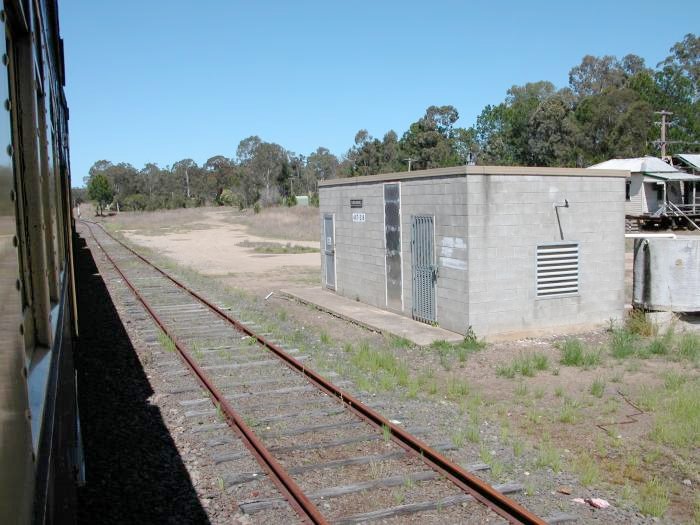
(315, 442)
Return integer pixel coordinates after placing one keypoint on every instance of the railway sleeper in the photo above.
(244, 477)
(251, 506)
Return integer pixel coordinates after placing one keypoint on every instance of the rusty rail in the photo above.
(470, 484)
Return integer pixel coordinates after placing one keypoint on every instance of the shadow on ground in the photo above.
(134, 471)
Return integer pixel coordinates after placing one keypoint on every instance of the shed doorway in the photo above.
(424, 268)
(329, 250)
(392, 247)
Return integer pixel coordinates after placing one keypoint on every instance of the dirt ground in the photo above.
(211, 243)
(591, 430)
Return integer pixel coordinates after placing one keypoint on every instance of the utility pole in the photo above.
(187, 181)
(409, 160)
(663, 124)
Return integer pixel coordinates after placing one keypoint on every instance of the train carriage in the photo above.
(40, 455)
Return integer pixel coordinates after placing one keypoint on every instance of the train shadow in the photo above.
(134, 471)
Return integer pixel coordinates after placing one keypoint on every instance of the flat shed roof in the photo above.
(476, 170)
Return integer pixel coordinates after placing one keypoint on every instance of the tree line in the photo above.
(606, 111)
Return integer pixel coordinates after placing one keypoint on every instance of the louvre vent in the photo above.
(557, 269)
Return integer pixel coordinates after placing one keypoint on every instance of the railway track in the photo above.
(315, 442)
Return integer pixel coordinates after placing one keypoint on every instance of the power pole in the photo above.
(663, 125)
(409, 160)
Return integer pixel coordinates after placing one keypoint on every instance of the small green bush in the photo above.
(574, 353)
(597, 387)
(622, 344)
(689, 346)
(638, 323)
(526, 364)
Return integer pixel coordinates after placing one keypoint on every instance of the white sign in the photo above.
(358, 217)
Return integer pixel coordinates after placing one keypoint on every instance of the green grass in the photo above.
(166, 342)
(385, 371)
(473, 434)
(498, 469)
(548, 456)
(325, 338)
(673, 380)
(525, 364)
(386, 433)
(400, 342)
(629, 343)
(689, 347)
(623, 344)
(456, 388)
(638, 323)
(458, 437)
(597, 387)
(587, 469)
(521, 389)
(277, 248)
(449, 351)
(653, 498)
(660, 345)
(569, 412)
(574, 353)
(677, 408)
(518, 448)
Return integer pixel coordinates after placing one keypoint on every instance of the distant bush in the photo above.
(135, 202)
(313, 200)
(228, 198)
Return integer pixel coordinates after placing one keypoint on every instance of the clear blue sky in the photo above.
(159, 81)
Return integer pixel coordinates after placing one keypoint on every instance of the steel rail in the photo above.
(286, 485)
(467, 482)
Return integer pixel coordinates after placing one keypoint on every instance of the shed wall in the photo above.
(509, 217)
(359, 247)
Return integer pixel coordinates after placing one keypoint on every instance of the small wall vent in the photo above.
(557, 269)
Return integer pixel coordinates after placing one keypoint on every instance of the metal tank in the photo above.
(667, 274)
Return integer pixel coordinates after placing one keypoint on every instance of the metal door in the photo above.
(392, 238)
(424, 268)
(329, 250)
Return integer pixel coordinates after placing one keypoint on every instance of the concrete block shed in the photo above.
(511, 251)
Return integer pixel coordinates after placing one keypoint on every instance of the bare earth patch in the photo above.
(213, 244)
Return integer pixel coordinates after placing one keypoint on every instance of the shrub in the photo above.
(574, 353)
(689, 346)
(622, 344)
(638, 323)
(526, 364)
